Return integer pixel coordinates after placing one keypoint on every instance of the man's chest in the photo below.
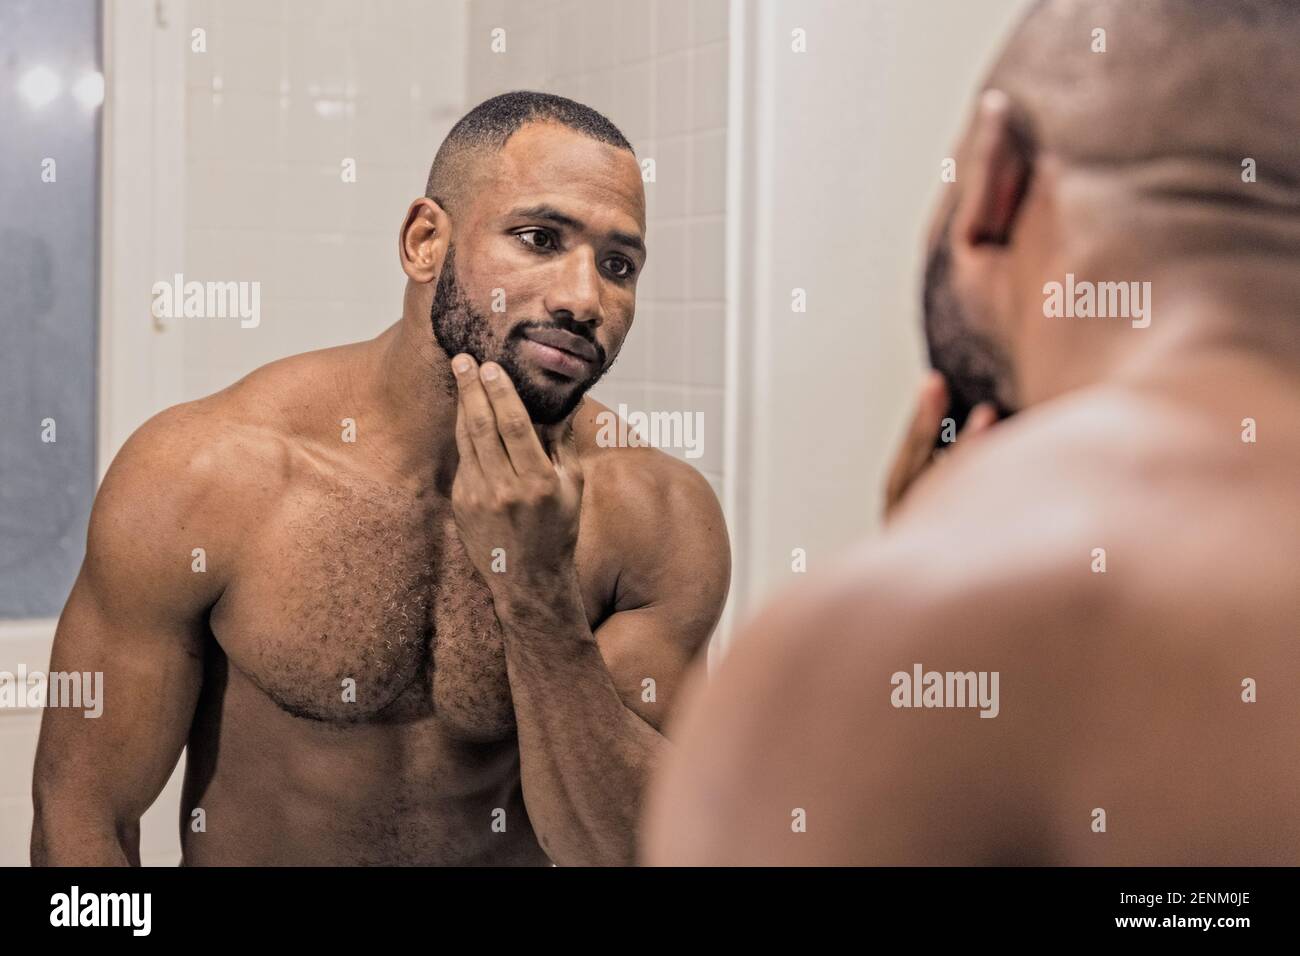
(358, 604)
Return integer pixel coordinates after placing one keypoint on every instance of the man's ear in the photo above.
(424, 240)
(997, 174)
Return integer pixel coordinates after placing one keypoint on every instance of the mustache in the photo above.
(573, 328)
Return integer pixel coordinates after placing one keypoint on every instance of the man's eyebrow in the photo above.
(629, 240)
(551, 214)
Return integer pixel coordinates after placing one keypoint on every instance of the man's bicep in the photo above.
(678, 583)
(649, 649)
(647, 655)
(145, 673)
(134, 623)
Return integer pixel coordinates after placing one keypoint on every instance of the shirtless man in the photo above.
(1147, 713)
(431, 645)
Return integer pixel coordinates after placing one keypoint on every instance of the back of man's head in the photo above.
(1147, 147)
(1180, 100)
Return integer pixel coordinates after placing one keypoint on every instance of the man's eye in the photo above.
(620, 268)
(536, 238)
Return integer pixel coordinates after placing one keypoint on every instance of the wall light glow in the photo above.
(39, 86)
(89, 90)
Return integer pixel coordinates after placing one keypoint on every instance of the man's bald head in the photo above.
(486, 129)
(1207, 80)
(1115, 140)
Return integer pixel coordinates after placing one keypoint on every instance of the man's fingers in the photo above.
(512, 422)
(931, 406)
(465, 445)
(982, 417)
(480, 422)
(918, 443)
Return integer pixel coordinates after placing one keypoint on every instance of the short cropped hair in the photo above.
(490, 125)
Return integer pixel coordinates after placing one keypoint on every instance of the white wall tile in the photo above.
(707, 259)
(602, 91)
(671, 188)
(634, 359)
(634, 100)
(673, 95)
(257, 11)
(314, 198)
(636, 24)
(708, 20)
(384, 66)
(319, 58)
(708, 172)
(709, 87)
(672, 25)
(223, 195)
(665, 275)
(668, 344)
(705, 340)
(317, 129)
(710, 403)
(249, 55)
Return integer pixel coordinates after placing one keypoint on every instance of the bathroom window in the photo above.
(51, 90)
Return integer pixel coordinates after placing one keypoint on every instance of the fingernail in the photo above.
(489, 372)
(460, 363)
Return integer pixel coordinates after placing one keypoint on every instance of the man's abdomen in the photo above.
(264, 787)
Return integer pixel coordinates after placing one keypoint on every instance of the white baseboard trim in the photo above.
(25, 645)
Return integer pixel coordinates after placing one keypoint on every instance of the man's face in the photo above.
(976, 367)
(540, 276)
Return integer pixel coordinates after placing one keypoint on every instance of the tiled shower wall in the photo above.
(286, 92)
(658, 70)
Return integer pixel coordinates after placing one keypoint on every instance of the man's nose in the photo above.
(576, 289)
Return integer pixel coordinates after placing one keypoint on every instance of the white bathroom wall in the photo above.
(658, 70)
(287, 93)
(24, 645)
(836, 170)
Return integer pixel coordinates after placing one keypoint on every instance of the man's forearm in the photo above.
(73, 839)
(585, 757)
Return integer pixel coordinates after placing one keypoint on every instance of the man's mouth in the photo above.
(561, 352)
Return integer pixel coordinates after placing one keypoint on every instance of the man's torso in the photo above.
(356, 705)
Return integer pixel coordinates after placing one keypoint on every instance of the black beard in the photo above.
(459, 327)
(976, 368)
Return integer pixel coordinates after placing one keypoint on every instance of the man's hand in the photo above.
(508, 493)
(917, 452)
(588, 736)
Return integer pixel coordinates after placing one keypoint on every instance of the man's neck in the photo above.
(1201, 313)
(413, 395)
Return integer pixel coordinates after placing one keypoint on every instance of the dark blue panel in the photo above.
(49, 255)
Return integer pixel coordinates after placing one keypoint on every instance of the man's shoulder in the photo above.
(1082, 447)
(1084, 500)
(1006, 543)
(203, 442)
(214, 458)
(1028, 554)
(658, 512)
(638, 479)
(1026, 526)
